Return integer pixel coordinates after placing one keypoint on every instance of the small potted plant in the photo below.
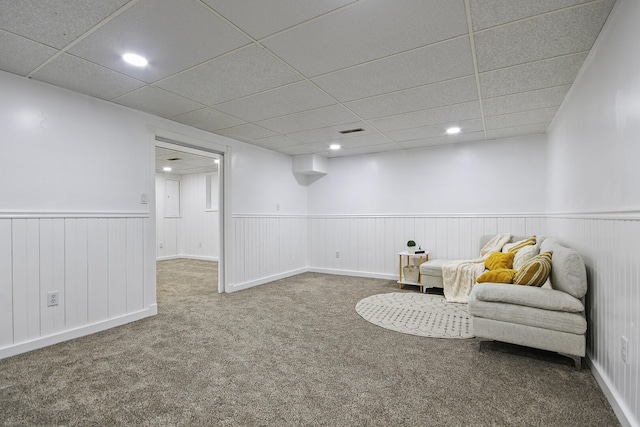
(411, 244)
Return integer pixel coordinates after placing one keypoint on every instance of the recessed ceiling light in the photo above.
(334, 146)
(167, 168)
(216, 161)
(453, 130)
(134, 59)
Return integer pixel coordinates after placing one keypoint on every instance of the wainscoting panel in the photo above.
(267, 247)
(368, 245)
(611, 249)
(95, 264)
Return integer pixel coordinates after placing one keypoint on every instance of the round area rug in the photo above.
(417, 314)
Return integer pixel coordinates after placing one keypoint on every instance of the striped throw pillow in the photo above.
(535, 271)
(522, 243)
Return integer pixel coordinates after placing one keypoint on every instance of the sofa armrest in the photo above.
(530, 296)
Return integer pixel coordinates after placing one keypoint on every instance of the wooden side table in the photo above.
(423, 257)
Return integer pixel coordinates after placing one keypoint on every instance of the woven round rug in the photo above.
(417, 314)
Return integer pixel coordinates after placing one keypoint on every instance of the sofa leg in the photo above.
(483, 345)
(577, 360)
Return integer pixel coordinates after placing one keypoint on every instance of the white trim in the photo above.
(62, 214)
(352, 273)
(433, 215)
(616, 215)
(70, 334)
(182, 256)
(616, 401)
(268, 279)
(270, 215)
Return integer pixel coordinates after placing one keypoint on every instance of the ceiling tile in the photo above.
(264, 17)
(442, 140)
(544, 115)
(275, 142)
(355, 142)
(296, 150)
(366, 31)
(289, 99)
(172, 35)
(435, 63)
(84, 77)
(537, 75)
(157, 101)
(208, 119)
(524, 101)
(53, 22)
(433, 116)
(332, 133)
(246, 132)
(21, 56)
(369, 149)
(313, 119)
(517, 131)
(545, 36)
(467, 126)
(244, 72)
(421, 98)
(489, 13)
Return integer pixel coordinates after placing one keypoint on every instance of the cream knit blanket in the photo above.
(458, 277)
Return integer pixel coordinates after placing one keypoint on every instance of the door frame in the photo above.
(179, 142)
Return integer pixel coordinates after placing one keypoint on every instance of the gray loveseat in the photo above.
(549, 318)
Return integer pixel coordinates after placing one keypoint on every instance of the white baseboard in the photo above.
(615, 400)
(262, 281)
(354, 273)
(196, 257)
(75, 333)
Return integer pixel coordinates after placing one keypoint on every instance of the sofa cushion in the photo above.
(501, 275)
(535, 271)
(433, 267)
(568, 273)
(499, 260)
(562, 321)
(524, 255)
(515, 247)
(544, 298)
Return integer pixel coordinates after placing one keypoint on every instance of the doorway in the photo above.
(189, 205)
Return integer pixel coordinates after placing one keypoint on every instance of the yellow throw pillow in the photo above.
(535, 271)
(498, 260)
(502, 275)
(522, 243)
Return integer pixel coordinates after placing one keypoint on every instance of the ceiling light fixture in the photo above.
(167, 168)
(134, 59)
(334, 146)
(216, 161)
(453, 130)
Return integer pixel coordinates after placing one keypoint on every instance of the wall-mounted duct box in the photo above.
(310, 164)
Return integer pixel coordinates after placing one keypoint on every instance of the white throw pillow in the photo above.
(524, 255)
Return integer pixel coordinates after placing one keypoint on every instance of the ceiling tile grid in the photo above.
(289, 75)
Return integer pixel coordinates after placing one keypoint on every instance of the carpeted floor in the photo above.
(292, 352)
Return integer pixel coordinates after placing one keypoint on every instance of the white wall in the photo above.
(444, 198)
(593, 188)
(195, 233)
(499, 176)
(71, 218)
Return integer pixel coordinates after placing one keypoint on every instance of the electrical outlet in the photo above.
(161, 245)
(337, 254)
(278, 207)
(624, 349)
(52, 298)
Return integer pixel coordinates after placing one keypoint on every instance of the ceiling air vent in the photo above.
(350, 131)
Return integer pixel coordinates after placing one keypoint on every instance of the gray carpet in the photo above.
(293, 352)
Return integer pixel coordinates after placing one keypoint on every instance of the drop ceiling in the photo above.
(289, 75)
